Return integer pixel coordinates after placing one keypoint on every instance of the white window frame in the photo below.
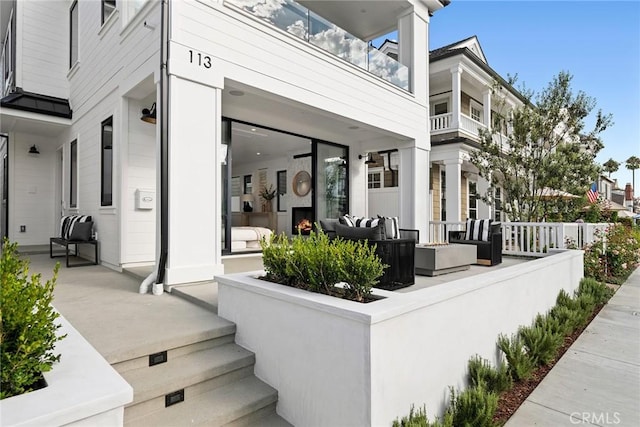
(380, 174)
(497, 213)
(437, 100)
(471, 198)
(474, 105)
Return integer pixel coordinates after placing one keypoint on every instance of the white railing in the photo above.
(530, 238)
(470, 125)
(441, 121)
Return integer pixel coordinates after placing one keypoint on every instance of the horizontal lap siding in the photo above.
(45, 54)
(260, 55)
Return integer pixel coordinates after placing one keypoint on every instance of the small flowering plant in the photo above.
(614, 254)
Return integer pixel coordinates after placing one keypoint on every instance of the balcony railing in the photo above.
(311, 27)
(443, 122)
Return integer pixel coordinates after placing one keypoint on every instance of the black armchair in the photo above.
(489, 252)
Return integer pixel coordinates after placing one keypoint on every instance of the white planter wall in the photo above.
(83, 390)
(337, 362)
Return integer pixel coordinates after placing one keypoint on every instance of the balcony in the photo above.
(305, 24)
(442, 123)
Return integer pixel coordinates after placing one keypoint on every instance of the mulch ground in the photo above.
(511, 400)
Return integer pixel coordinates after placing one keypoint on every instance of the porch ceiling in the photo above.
(365, 19)
(33, 123)
(266, 109)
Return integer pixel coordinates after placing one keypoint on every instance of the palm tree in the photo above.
(610, 166)
(633, 163)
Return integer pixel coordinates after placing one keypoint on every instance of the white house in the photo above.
(223, 81)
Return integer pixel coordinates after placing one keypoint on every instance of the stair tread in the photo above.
(216, 407)
(273, 420)
(180, 372)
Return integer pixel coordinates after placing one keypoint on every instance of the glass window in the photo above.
(473, 200)
(476, 111)
(248, 186)
(374, 180)
(282, 190)
(73, 34)
(108, 7)
(73, 175)
(106, 181)
(440, 108)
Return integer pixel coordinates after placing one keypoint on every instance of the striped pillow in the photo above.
(478, 229)
(67, 223)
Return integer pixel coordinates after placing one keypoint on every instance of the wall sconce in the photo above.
(369, 160)
(149, 115)
(34, 150)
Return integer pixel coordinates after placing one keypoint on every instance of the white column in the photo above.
(453, 169)
(413, 33)
(456, 72)
(484, 209)
(194, 182)
(486, 108)
(414, 190)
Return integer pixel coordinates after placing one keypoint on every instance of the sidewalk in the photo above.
(597, 381)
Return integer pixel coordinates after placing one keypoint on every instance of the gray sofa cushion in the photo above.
(369, 233)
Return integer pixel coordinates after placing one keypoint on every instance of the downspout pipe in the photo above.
(156, 278)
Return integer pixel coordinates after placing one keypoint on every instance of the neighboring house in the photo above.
(461, 102)
(606, 187)
(250, 96)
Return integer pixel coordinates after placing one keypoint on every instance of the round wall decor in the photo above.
(301, 183)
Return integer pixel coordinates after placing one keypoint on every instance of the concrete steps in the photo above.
(207, 380)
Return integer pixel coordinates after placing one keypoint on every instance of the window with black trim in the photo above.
(443, 195)
(282, 190)
(473, 200)
(248, 186)
(108, 7)
(73, 175)
(73, 34)
(497, 204)
(106, 175)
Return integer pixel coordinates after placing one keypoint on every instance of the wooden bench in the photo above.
(66, 243)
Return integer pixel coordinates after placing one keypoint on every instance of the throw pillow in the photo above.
(67, 223)
(391, 226)
(356, 233)
(478, 229)
(81, 231)
(347, 220)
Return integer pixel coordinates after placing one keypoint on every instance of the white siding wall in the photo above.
(109, 57)
(45, 47)
(139, 173)
(255, 53)
(32, 189)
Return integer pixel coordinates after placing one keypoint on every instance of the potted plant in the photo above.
(267, 194)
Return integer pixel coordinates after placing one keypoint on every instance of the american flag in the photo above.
(592, 193)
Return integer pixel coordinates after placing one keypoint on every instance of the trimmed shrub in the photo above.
(568, 319)
(600, 292)
(317, 264)
(495, 380)
(27, 325)
(474, 407)
(419, 419)
(541, 341)
(520, 364)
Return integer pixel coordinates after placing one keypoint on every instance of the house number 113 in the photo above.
(199, 59)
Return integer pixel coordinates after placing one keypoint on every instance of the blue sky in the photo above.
(598, 42)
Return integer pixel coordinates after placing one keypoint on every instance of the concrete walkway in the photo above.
(597, 381)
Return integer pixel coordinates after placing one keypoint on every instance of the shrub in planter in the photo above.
(419, 419)
(27, 327)
(475, 407)
(481, 372)
(600, 292)
(541, 341)
(520, 364)
(317, 263)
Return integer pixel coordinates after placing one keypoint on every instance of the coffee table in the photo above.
(434, 260)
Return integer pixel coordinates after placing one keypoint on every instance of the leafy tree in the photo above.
(632, 164)
(547, 147)
(610, 166)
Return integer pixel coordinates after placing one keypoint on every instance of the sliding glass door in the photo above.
(331, 182)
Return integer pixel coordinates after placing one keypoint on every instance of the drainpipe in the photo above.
(157, 277)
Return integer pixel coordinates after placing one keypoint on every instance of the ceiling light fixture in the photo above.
(236, 93)
(34, 149)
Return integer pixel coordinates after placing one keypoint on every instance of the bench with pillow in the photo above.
(75, 230)
(394, 246)
(486, 235)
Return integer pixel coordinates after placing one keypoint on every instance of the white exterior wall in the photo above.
(31, 189)
(256, 53)
(43, 31)
(337, 362)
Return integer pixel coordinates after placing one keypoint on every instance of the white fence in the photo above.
(530, 238)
